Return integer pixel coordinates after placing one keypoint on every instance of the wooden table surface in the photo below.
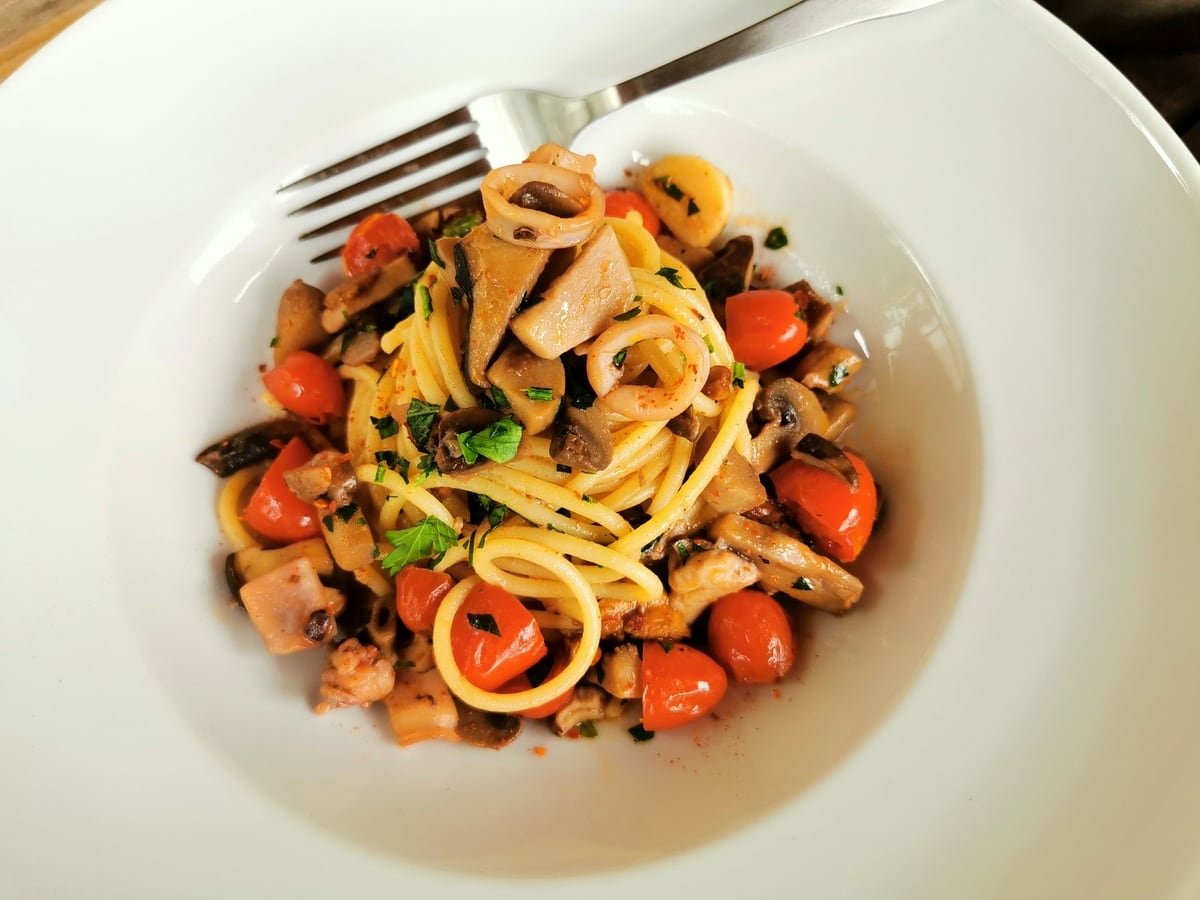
(25, 25)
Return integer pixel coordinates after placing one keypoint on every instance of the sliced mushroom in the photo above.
(730, 270)
(252, 562)
(533, 386)
(298, 320)
(719, 384)
(587, 705)
(357, 347)
(789, 411)
(496, 276)
(828, 456)
(787, 565)
(581, 439)
(695, 258)
(827, 366)
(291, 608)
(685, 425)
(447, 452)
(818, 312)
(707, 576)
(486, 729)
(735, 487)
(840, 412)
(560, 321)
(357, 675)
(622, 672)
(328, 476)
(255, 444)
(351, 297)
(421, 708)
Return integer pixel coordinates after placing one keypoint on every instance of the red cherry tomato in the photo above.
(274, 511)
(618, 204)
(749, 634)
(838, 517)
(486, 658)
(376, 241)
(419, 593)
(679, 685)
(308, 386)
(550, 707)
(764, 327)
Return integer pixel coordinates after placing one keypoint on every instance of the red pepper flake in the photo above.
(539, 751)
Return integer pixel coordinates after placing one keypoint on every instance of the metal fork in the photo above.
(502, 128)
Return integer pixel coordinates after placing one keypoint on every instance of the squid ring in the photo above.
(532, 227)
(641, 402)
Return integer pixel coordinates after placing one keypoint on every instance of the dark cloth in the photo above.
(1156, 43)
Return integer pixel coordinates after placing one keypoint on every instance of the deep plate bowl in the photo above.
(1031, 734)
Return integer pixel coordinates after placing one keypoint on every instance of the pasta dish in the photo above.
(549, 452)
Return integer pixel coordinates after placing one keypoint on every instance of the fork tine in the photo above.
(421, 132)
(478, 168)
(462, 145)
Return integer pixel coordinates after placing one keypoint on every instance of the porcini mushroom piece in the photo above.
(291, 608)
(354, 295)
(298, 320)
(828, 456)
(582, 440)
(827, 366)
(707, 576)
(735, 487)
(533, 386)
(486, 729)
(840, 412)
(789, 411)
(818, 312)
(257, 443)
(787, 565)
(730, 270)
(587, 704)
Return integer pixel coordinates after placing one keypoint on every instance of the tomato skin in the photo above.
(376, 241)
(749, 634)
(764, 327)
(419, 593)
(308, 386)
(274, 511)
(617, 204)
(488, 660)
(550, 707)
(679, 685)
(838, 517)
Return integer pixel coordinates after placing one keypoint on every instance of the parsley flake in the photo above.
(429, 538)
(837, 289)
(500, 398)
(776, 238)
(640, 734)
(672, 276)
(838, 374)
(435, 256)
(484, 622)
(426, 299)
(669, 187)
(628, 314)
(420, 418)
(461, 225)
(739, 375)
(275, 341)
(619, 357)
(387, 426)
(692, 207)
(587, 729)
(802, 584)
(541, 394)
(327, 521)
(498, 442)
(346, 513)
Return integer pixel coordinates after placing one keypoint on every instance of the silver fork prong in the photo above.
(476, 169)
(411, 167)
(399, 142)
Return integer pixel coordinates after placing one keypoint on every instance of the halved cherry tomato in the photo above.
(618, 204)
(419, 593)
(494, 638)
(308, 386)
(749, 633)
(274, 511)
(550, 707)
(376, 241)
(679, 685)
(838, 517)
(764, 327)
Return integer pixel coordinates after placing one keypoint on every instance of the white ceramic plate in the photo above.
(1018, 237)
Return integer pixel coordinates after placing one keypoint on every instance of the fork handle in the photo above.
(805, 19)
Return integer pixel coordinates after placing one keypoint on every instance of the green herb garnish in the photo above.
(619, 357)
(837, 289)
(387, 426)
(429, 538)
(776, 238)
(327, 521)
(587, 729)
(640, 734)
(667, 644)
(669, 187)
(739, 375)
(346, 513)
(500, 398)
(628, 314)
(541, 394)
(275, 341)
(380, 471)
(802, 584)
(709, 344)
(420, 418)
(684, 549)
(484, 622)
(692, 207)
(426, 301)
(498, 442)
(434, 255)
(838, 374)
(460, 225)
(566, 470)
(672, 276)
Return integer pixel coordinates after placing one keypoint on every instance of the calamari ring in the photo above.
(531, 227)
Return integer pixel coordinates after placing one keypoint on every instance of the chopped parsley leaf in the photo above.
(275, 341)
(541, 394)
(498, 442)
(672, 276)
(429, 538)
(692, 207)
(420, 418)
(566, 470)
(461, 225)
(587, 729)
(776, 238)
(380, 471)
(426, 301)
(646, 548)
(346, 513)
(327, 521)
(802, 584)
(837, 289)
(709, 344)
(619, 357)
(435, 256)
(669, 187)
(838, 374)
(739, 374)
(484, 622)
(628, 314)
(403, 664)
(387, 426)
(640, 734)
(667, 644)
(684, 549)
(500, 398)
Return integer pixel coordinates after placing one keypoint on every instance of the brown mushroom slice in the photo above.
(363, 291)
(789, 411)
(298, 320)
(253, 562)
(533, 386)
(291, 608)
(357, 675)
(421, 708)
(358, 349)
(582, 301)
(621, 672)
(582, 440)
(495, 277)
(695, 258)
(254, 444)
(735, 487)
(730, 271)
(840, 412)
(447, 451)
(588, 704)
(827, 366)
(486, 729)
(827, 456)
(545, 197)
(787, 565)
(707, 576)
(329, 475)
(719, 384)
(818, 312)
(686, 425)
